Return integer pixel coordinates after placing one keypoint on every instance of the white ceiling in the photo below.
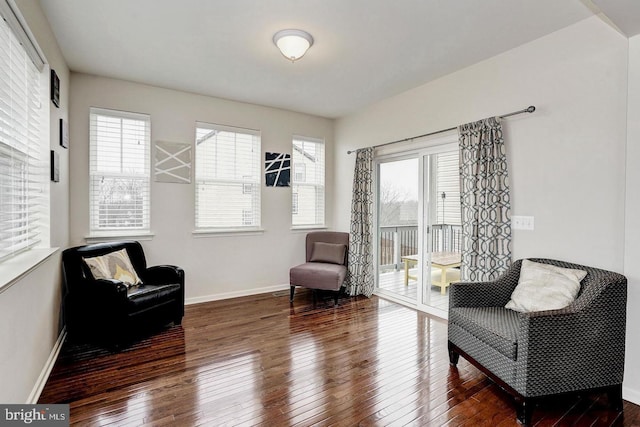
(624, 13)
(364, 50)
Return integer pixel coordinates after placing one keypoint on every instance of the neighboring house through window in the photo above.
(308, 182)
(294, 204)
(299, 172)
(227, 178)
(119, 168)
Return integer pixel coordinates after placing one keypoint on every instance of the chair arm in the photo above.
(95, 297)
(575, 347)
(163, 275)
(482, 294)
(101, 288)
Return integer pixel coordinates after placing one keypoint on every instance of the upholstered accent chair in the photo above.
(113, 310)
(580, 347)
(326, 263)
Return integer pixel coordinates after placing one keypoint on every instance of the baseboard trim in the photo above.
(236, 294)
(48, 367)
(631, 395)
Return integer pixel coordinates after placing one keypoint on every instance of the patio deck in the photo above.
(394, 282)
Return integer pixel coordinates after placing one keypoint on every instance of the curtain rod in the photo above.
(529, 109)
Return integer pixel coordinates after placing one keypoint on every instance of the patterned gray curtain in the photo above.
(360, 280)
(486, 206)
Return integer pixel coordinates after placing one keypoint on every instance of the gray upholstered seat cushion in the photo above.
(321, 275)
(495, 326)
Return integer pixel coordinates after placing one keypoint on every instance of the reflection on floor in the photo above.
(394, 282)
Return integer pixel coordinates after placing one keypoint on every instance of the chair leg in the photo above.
(335, 298)
(614, 393)
(525, 408)
(291, 292)
(453, 356)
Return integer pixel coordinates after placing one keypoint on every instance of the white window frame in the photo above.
(306, 177)
(246, 219)
(294, 203)
(24, 140)
(143, 227)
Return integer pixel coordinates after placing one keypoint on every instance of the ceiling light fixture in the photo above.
(293, 43)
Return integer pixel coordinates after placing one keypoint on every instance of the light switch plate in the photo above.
(519, 222)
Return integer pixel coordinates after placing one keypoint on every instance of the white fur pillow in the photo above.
(545, 287)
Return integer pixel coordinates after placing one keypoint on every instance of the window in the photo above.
(24, 148)
(446, 174)
(119, 172)
(227, 178)
(300, 172)
(308, 182)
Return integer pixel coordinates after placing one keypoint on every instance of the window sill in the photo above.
(17, 267)
(308, 227)
(227, 232)
(120, 235)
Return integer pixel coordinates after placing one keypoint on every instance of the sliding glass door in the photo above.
(441, 231)
(398, 234)
(419, 233)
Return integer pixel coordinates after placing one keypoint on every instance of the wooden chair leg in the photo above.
(335, 298)
(291, 292)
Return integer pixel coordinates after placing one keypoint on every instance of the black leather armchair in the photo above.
(108, 310)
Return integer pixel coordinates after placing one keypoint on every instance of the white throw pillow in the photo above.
(545, 287)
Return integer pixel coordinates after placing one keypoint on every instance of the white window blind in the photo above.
(308, 182)
(227, 178)
(119, 169)
(24, 202)
(14, 20)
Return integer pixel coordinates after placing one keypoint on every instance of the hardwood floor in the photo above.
(259, 361)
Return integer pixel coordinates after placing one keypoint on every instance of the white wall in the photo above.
(30, 308)
(632, 222)
(567, 160)
(215, 267)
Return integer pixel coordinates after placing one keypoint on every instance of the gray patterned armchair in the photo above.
(530, 355)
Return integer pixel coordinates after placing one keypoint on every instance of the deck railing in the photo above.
(398, 241)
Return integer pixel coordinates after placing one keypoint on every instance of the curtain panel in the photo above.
(360, 280)
(486, 205)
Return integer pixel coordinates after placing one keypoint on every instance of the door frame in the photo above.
(424, 226)
(420, 148)
(405, 155)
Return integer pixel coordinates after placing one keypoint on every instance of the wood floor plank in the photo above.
(259, 360)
